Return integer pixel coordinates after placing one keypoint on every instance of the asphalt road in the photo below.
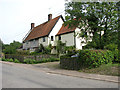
(21, 77)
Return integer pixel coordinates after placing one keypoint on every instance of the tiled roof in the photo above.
(65, 29)
(42, 29)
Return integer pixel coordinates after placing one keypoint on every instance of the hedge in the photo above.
(87, 59)
(95, 58)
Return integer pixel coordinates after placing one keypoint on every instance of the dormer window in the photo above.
(52, 38)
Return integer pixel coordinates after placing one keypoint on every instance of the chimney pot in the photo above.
(32, 25)
(49, 17)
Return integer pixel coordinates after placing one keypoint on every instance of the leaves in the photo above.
(94, 17)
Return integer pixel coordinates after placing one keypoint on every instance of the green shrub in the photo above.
(29, 61)
(114, 48)
(3, 59)
(16, 61)
(116, 60)
(87, 59)
(51, 59)
(94, 58)
(10, 60)
(23, 52)
(111, 47)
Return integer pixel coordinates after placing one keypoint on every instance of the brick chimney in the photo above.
(32, 25)
(49, 17)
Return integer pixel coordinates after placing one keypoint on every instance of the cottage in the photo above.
(70, 36)
(43, 33)
(51, 31)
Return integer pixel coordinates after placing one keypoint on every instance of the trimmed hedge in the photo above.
(95, 58)
(87, 59)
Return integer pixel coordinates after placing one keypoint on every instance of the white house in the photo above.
(51, 31)
(70, 36)
(43, 33)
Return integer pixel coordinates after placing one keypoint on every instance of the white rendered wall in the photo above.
(30, 44)
(54, 31)
(26, 45)
(44, 43)
(78, 40)
(68, 39)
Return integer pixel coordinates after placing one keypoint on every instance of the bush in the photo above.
(42, 50)
(114, 48)
(71, 50)
(23, 52)
(87, 59)
(16, 61)
(9, 50)
(3, 59)
(10, 60)
(29, 61)
(51, 59)
(111, 47)
(95, 58)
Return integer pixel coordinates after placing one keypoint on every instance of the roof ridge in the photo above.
(47, 21)
(42, 29)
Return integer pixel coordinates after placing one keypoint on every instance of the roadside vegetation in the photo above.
(32, 61)
(105, 69)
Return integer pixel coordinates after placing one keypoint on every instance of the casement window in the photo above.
(43, 39)
(27, 42)
(52, 38)
(33, 41)
(59, 37)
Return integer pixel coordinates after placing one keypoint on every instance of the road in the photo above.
(21, 77)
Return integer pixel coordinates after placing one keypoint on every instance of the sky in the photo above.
(16, 16)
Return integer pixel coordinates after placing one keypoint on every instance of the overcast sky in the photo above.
(16, 16)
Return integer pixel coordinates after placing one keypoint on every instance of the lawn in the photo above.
(106, 69)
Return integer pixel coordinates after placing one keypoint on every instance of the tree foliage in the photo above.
(93, 18)
(11, 48)
(60, 47)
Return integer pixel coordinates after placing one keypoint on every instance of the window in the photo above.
(52, 38)
(27, 42)
(33, 41)
(43, 39)
(59, 37)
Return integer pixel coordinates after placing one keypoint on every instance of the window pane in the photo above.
(59, 37)
(43, 39)
(51, 38)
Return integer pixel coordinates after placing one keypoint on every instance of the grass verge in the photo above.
(105, 69)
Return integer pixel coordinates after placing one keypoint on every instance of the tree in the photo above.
(60, 47)
(118, 6)
(1, 45)
(94, 17)
(11, 48)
